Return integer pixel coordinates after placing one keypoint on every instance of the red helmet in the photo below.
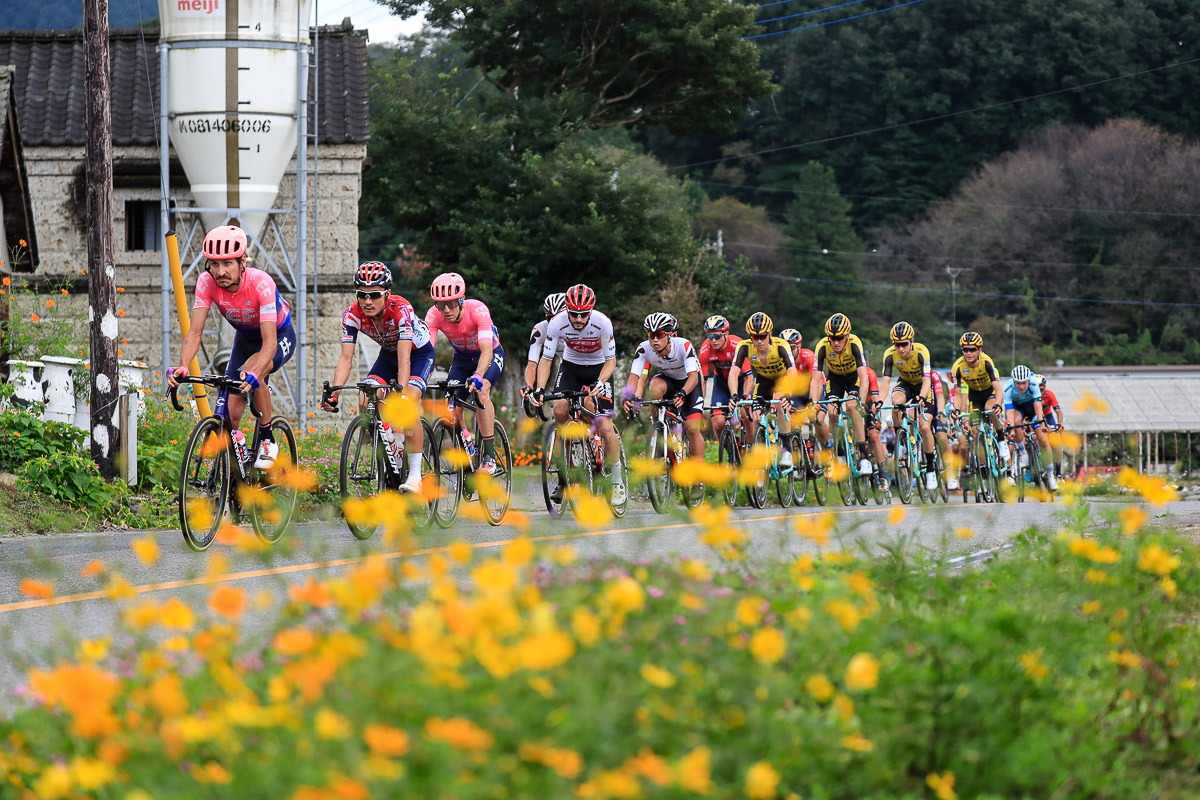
(225, 243)
(450, 286)
(372, 273)
(580, 298)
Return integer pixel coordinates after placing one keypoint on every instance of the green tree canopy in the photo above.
(606, 63)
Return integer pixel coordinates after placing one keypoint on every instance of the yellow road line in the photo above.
(82, 597)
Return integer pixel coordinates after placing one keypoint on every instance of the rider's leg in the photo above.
(691, 428)
(562, 409)
(485, 417)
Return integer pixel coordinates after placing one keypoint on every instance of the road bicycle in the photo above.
(1033, 472)
(667, 445)
(811, 467)
(767, 435)
(218, 473)
(981, 473)
(845, 457)
(366, 467)
(908, 461)
(580, 459)
(460, 454)
(731, 447)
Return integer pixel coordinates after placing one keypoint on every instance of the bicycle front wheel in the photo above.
(842, 466)
(361, 470)
(578, 462)
(498, 496)
(758, 489)
(425, 507)
(728, 456)
(818, 465)
(554, 479)
(272, 517)
(798, 477)
(204, 483)
(659, 486)
(618, 509)
(450, 458)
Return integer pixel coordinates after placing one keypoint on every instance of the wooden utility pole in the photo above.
(102, 292)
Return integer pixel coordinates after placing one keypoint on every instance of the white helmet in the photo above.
(1021, 373)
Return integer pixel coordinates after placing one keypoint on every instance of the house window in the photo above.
(143, 225)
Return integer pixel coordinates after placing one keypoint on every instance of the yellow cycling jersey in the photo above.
(912, 369)
(978, 378)
(776, 362)
(846, 362)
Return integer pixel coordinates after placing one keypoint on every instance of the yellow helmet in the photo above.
(837, 325)
(970, 339)
(759, 324)
(902, 331)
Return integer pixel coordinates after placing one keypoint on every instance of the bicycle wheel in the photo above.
(272, 518)
(1016, 473)
(858, 481)
(360, 472)
(798, 477)
(619, 509)
(729, 456)
(902, 475)
(992, 469)
(423, 518)
(941, 476)
(578, 463)
(1036, 470)
(843, 467)
(818, 472)
(659, 486)
(693, 495)
(758, 489)
(553, 477)
(204, 483)
(450, 473)
(499, 496)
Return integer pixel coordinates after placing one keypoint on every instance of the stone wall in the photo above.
(56, 185)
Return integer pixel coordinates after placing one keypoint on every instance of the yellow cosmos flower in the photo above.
(897, 515)
(657, 676)
(858, 743)
(942, 785)
(694, 771)
(385, 741)
(862, 673)
(545, 650)
(1089, 403)
(1125, 658)
(1132, 518)
(1154, 559)
(329, 724)
(963, 532)
(585, 625)
(146, 549)
(819, 687)
(844, 612)
(400, 411)
(815, 527)
(642, 468)
(762, 781)
(458, 733)
(749, 611)
(1032, 664)
(768, 645)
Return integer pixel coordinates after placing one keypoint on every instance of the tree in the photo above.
(821, 246)
(606, 63)
(746, 233)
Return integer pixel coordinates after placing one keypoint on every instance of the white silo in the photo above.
(233, 109)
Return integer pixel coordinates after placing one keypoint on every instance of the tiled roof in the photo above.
(49, 85)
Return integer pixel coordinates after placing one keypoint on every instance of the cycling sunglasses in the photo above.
(970, 349)
(369, 295)
(837, 338)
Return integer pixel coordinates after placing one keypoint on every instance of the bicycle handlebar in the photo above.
(218, 382)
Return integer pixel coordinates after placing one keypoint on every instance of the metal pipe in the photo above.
(164, 166)
(301, 226)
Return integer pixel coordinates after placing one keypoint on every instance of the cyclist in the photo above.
(264, 339)
(840, 354)
(769, 359)
(873, 424)
(805, 360)
(478, 357)
(589, 359)
(678, 375)
(553, 304)
(978, 382)
(1023, 401)
(911, 360)
(1054, 419)
(716, 357)
(938, 425)
(405, 354)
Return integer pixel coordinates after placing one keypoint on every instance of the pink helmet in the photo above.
(450, 286)
(224, 243)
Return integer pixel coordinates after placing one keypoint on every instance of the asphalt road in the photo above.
(37, 630)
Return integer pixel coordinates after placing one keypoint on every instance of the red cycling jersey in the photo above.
(1049, 400)
(718, 362)
(872, 383)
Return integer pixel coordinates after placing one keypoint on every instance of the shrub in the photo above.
(25, 436)
(71, 478)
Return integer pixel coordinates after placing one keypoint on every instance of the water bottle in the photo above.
(598, 450)
(468, 442)
(239, 447)
(389, 440)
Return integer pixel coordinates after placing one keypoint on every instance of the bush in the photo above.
(71, 478)
(25, 436)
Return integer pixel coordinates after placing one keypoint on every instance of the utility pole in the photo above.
(1012, 327)
(954, 273)
(102, 293)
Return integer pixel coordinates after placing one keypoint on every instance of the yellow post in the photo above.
(185, 319)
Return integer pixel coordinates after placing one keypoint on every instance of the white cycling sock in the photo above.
(414, 463)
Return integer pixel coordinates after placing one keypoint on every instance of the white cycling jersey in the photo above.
(592, 345)
(679, 361)
(537, 338)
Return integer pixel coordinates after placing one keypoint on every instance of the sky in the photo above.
(381, 25)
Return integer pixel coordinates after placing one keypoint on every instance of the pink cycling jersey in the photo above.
(256, 301)
(472, 329)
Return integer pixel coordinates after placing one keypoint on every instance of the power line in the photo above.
(835, 21)
(806, 13)
(896, 287)
(915, 200)
(943, 258)
(948, 115)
